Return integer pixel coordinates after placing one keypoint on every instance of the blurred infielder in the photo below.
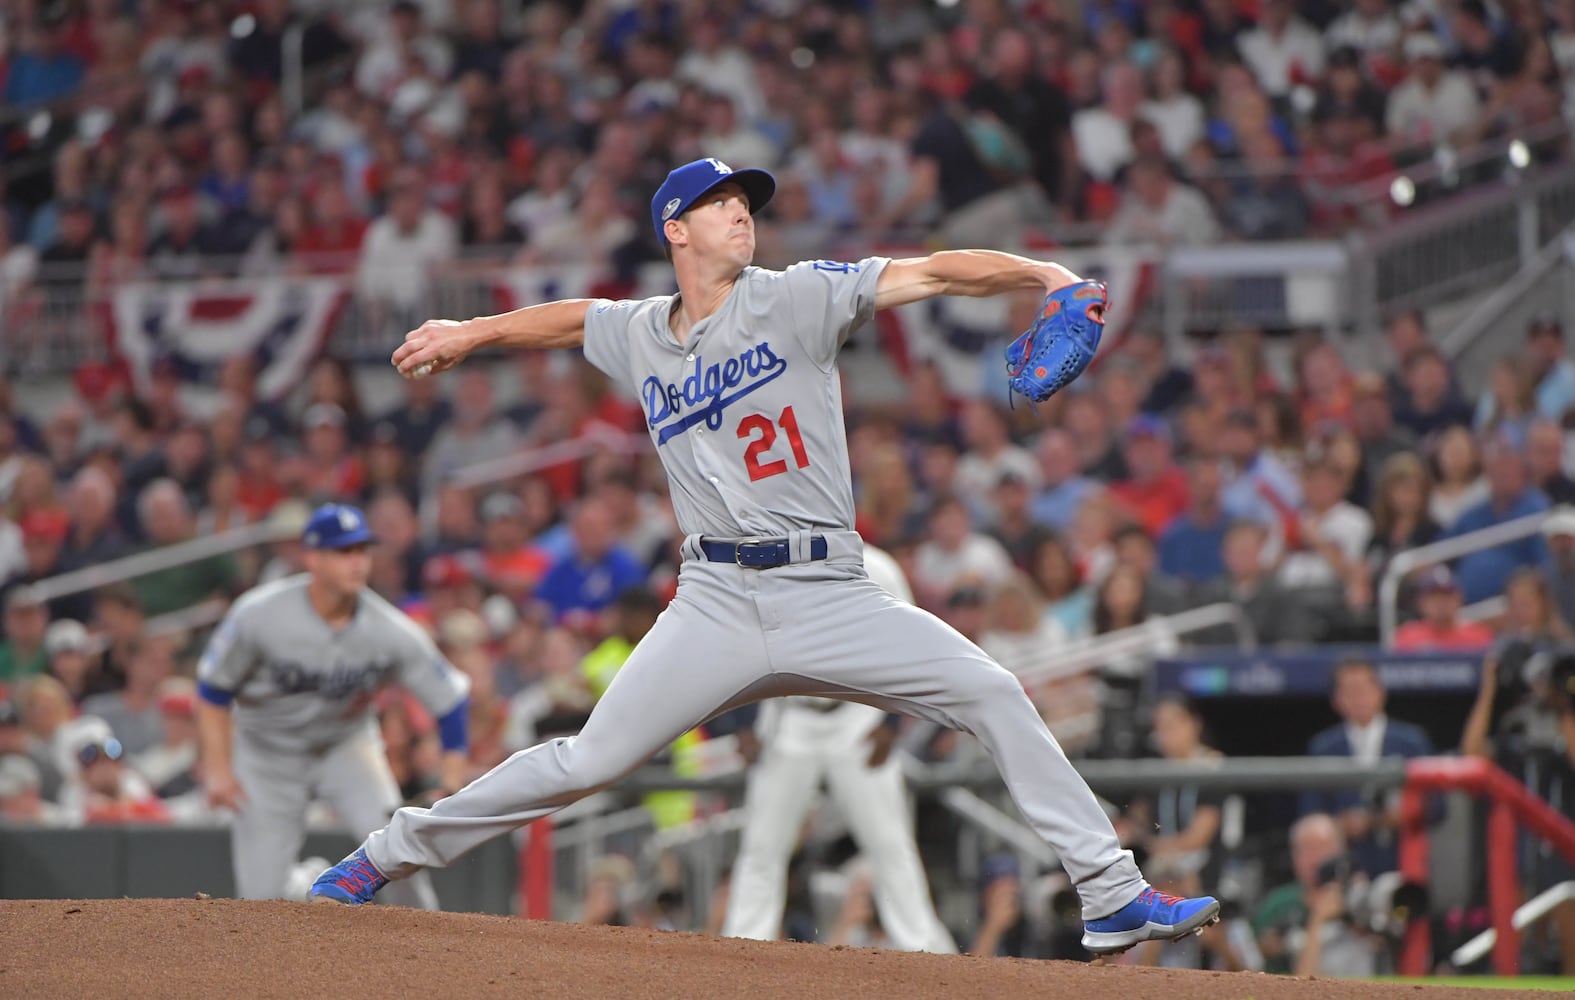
(286, 715)
(738, 376)
(805, 741)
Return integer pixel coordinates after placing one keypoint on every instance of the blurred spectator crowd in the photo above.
(167, 139)
(1146, 490)
(442, 135)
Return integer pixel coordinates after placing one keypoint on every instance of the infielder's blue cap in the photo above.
(689, 183)
(337, 526)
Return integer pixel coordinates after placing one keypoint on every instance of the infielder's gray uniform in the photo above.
(304, 723)
(747, 419)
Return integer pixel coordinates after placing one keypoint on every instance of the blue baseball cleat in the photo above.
(355, 880)
(1153, 916)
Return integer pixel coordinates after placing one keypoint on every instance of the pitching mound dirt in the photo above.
(232, 950)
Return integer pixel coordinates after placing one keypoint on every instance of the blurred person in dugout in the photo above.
(1524, 721)
(1365, 734)
(107, 791)
(1176, 833)
(21, 796)
(1004, 929)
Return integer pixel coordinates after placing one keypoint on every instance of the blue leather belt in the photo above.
(759, 553)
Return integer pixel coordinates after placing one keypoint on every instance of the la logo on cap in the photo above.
(347, 520)
(670, 208)
(721, 167)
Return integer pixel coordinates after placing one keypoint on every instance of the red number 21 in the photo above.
(757, 423)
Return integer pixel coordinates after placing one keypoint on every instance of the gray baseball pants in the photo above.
(266, 836)
(732, 636)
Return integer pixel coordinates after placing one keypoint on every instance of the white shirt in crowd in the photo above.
(1020, 651)
(383, 68)
(980, 557)
(13, 558)
(1367, 742)
(742, 145)
(1104, 142)
(534, 211)
(1353, 30)
(1273, 59)
(395, 265)
(977, 476)
(1417, 114)
(1345, 526)
(1185, 218)
(725, 71)
(1180, 121)
(1446, 510)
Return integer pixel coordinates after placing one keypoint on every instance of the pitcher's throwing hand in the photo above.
(436, 346)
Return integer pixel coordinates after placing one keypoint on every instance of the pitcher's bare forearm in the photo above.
(540, 327)
(972, 273)
(440, 344)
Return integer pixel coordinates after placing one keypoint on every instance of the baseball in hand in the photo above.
(422, 370)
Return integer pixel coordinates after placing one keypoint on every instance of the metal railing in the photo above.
(1455, 248)
(1240, 774)
(1483, 611)
(524, 463)
(162, 558)
(968, 806)
(1443, 551)
(704, 842)
(1530, 913)
(1488, 314)
(1139, 640)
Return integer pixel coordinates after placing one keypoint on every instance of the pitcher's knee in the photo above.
(997, 686)
(590, 769)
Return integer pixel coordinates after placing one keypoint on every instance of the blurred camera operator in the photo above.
(1517, 707)
(1313, 926)
(1524, 721)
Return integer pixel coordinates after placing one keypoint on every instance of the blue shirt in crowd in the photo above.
(1055, 507)
(1483, 574)
(1556, 391)
(573, 585)
(1191, 551)
(34, 79)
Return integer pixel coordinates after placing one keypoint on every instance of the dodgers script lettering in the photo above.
(671, 409)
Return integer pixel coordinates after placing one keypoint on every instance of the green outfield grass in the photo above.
(1555, 983)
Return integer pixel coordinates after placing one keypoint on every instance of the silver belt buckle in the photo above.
(738, 550)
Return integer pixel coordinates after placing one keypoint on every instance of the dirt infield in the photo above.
(222, 948)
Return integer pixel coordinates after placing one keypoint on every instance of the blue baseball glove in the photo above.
(1060, 344)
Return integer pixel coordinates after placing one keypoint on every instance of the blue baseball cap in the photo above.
(998, 866)
(1148, 425)
(336, 526)
(689, 183)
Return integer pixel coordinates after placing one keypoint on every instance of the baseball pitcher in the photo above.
(847, 745)
(737, 374)
(286, 689)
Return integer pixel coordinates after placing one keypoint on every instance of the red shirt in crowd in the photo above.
(331, 249)
(1420, 637)
(127, 811)
(1154, 503)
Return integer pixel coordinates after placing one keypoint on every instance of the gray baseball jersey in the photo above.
(747, 416)
(301, 685)
(304, 726)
